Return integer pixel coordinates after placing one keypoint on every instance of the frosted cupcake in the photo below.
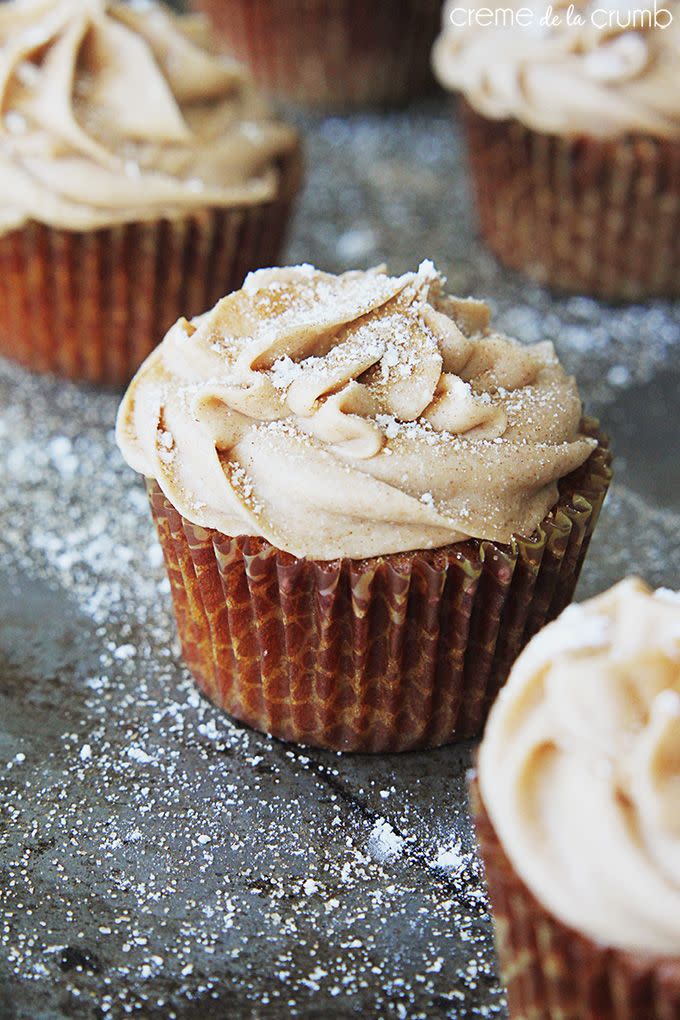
(578, 803)
(332, 53)
(368, 500)
(140, 175)
(574, 139)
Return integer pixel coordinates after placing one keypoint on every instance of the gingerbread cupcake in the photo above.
(141, 178)
(335, 54)
(368, 500)
(572, 116)
(578, 813)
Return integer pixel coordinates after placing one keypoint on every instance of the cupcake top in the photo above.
(579, 768)
(353, 415)
(115, 112)
(599, 70)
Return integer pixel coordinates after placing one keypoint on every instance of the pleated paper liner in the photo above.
(555, 973)
(383, 654)
(91, 305)
(332, 53)
(582, 215)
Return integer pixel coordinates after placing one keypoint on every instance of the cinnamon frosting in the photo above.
(353, 415)
(579, 768)
(114, 112)
(603, 70)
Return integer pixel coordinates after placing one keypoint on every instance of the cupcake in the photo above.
(572, 117)
(141, 179)
(367, 499)
(578, 813)
(332, 53)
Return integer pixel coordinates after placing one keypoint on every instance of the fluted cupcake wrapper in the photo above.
(555, 973)
(383, 654)
(332, 53)
(91, 305)
(583, 215)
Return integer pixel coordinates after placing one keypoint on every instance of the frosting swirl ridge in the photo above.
(579, 768)
(602, 71)
(112, 112)
(353, 415)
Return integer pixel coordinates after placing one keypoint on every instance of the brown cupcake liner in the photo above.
(553, 972)
(91, 305)
(332, 53)
(384, 654)
(582, 215)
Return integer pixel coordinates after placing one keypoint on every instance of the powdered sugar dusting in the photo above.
(164, 857)
(112, 903)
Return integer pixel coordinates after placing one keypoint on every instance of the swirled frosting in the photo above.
(615, 72)
(579, 768)
(353, 415)
(115, 112)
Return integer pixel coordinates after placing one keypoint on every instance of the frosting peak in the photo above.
(353, 415)
(566, 68)
(113, 112)
(579, 768)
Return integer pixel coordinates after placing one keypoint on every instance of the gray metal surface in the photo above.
(158, 860)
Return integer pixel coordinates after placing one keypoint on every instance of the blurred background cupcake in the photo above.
(141, 178)
(332, 53)
(578, 813)
(572, 116)
(367, 499)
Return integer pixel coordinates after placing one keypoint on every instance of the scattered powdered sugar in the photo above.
(420, 430)
(618, 375)
(428, 273)
(163, 858)
(111, 904)
(452, 858)
(355, 244)
(165, 446)
(358, 307)
(243, 485)
(389, 360)
(384, 843)
(259, 279)
(284, 371)
(139, 755)
(389, 424)
(318, 299)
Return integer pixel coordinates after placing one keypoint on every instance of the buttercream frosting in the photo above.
(114, 112)
(353, 415)
(603, 70)
(579, 768)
